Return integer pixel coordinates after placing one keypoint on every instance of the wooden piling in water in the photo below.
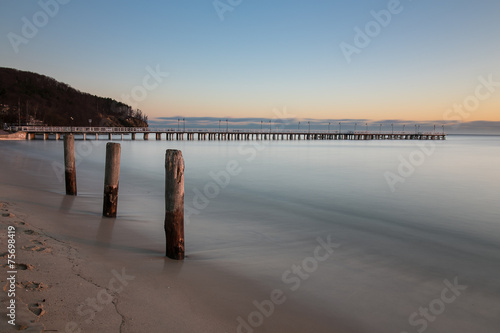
(174, 204)
(69, 164)
(111, 179)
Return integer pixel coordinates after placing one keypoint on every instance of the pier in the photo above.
(169, 134)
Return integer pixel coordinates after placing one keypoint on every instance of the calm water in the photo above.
(440, 218)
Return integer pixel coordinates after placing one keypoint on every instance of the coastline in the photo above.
(6, 136)
(62, 286)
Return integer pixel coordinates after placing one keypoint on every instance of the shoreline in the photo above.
(66, 286)
(6, 136)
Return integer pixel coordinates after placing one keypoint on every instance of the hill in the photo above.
(34, 99)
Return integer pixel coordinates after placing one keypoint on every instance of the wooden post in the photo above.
(69, 164)
(174, 204)
(111, 179)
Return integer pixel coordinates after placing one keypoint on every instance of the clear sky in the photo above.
(245, 58)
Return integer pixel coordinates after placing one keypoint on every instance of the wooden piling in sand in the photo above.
(69, 164)
(174, 204)
(111, 179)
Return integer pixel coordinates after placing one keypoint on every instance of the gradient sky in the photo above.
(267, 54)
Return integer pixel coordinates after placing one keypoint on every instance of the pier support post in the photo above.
(69, 164)
(174, 204)
(111, 179)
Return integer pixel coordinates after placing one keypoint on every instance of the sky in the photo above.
(372, 60)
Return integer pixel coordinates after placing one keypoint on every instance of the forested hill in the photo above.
(31, 98)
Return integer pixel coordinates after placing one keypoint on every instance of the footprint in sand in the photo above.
(23, 267)
(8, 215)
(37, 248)
(37, 309)
(31, 285)
(30, 232)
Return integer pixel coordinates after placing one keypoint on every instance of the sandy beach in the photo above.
(7, 136)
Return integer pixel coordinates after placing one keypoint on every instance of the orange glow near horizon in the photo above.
(424, 103)
(440, 111)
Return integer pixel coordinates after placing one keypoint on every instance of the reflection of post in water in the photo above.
(105, 231)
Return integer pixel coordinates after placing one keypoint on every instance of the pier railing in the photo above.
(124, 130)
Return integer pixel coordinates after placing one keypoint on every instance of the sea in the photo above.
(397, 236)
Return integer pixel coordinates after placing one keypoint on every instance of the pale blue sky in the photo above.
(267, 54)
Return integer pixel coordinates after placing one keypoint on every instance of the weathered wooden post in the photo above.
(174, 204)
(111, 179)
(69, 164)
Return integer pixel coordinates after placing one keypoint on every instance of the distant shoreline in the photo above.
(6, 136)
